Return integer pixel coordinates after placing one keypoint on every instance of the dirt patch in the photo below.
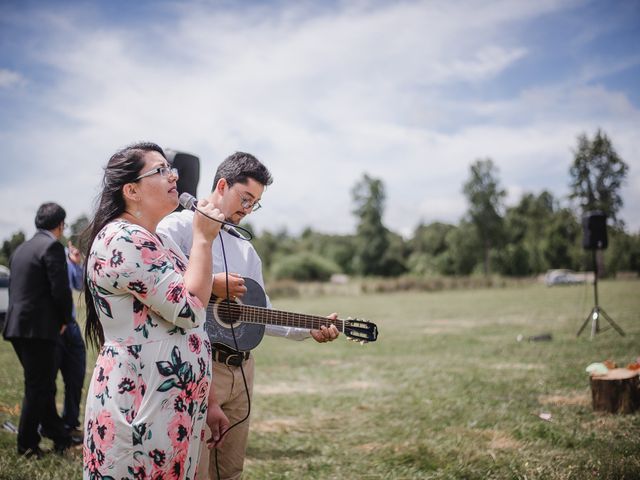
(311, 388)
(607, 423)
(438, 326)
(494, 439)
(436, 330)
(574, 399)
(275, 425)
(15, 410)
(370, 447)
(517, 366)
(330, 363)
(503, 441)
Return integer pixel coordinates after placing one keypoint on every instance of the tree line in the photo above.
(538, 233)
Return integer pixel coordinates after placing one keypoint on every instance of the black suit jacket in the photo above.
(40, 299)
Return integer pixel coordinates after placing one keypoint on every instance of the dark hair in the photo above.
(123, 167)
(49, 216)
(240, 166)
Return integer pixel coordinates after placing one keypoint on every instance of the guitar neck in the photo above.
(266, 316)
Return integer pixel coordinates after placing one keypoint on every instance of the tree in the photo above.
(624, 251)
(561, 246)
(526, 226)
(77, 228)
(462, 254)
(9, 246)
(372, 239)
(597, 174)
(427, 248)
(340, 249)
(394, 260)
(270, 246)
(430, 238)
(304, 266)
(485, 205)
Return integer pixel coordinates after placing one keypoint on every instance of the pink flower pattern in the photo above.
(194, 343)
(146, 407)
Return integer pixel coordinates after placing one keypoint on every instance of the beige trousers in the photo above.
(230, 393)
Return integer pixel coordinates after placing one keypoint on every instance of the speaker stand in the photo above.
(597, 311)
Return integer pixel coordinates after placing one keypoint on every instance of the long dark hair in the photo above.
(123, 167)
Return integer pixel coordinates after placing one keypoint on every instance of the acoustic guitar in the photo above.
(246, 319)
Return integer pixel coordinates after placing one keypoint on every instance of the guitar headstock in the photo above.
(360, 330)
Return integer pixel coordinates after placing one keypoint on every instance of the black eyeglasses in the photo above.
(163, 171)
(247, 204)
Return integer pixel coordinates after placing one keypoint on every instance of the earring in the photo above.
(137, 214)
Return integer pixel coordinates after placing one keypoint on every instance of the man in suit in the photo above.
(40, 306)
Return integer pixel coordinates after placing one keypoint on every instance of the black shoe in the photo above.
(61, 447)
(44, 433)
(76, 435)
(30, 452)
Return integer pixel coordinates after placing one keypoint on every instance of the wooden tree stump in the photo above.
(617, 391)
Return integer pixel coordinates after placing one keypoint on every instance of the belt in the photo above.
(229, 357)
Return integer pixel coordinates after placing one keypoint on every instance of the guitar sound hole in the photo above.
(228, 312)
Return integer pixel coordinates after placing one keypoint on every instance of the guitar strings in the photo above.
(253, 314)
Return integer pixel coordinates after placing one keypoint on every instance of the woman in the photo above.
(147, 402)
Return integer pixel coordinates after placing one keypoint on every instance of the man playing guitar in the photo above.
(237, 190)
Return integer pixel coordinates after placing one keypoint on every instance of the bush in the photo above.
(512, 260)
(304, 267)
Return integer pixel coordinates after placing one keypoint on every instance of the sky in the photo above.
(410, 92)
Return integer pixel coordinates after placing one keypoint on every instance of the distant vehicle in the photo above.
(4, 293)
(564, 277)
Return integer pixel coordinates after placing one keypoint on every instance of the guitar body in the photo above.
(219, 320)
(240, 324)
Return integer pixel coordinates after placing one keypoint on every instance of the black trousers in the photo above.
(38, 359)
(72, 361)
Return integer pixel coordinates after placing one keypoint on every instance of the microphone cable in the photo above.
(189, 204)
(235, 342)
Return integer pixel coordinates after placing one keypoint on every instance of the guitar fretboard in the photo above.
(266, 316)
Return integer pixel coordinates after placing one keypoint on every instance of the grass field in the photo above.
(446, 393)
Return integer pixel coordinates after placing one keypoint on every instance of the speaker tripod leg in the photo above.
(595, 322)
(611, 322)
(585, 323)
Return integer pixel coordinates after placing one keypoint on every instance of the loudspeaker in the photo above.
(594, 229)
(189, 170)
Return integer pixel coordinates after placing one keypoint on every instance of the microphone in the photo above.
(189, 202)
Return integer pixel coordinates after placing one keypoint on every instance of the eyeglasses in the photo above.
(163, 171)
(247, 204)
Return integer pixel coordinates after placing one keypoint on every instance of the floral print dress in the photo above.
(146, 405)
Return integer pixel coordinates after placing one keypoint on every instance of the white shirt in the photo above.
(242, 259)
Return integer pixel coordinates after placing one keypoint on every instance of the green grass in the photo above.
(446, 393)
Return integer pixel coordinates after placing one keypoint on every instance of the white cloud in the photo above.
(320, 95)
(9, 78)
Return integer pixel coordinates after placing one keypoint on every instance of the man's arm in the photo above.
(178, 227)
(321, 335)
(216, 420)
(56, 263)
(326, 334)
(234, 281)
